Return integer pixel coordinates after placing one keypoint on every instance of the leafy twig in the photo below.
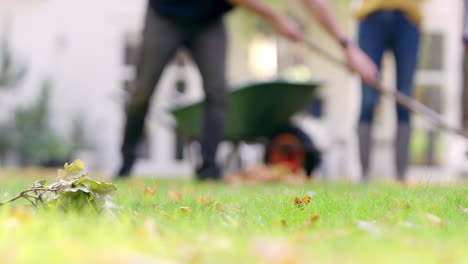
(25, 194)
(73, 190)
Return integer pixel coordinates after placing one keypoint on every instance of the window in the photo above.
(426, 144)
(431, 56)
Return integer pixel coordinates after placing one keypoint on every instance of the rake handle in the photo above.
(402, 99)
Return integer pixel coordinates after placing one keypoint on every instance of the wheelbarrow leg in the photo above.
(233, 161)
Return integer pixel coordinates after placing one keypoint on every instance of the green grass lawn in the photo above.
(186, 222)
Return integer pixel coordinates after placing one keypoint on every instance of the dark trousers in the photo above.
(207, 46)
(389, 30)
(379, 32)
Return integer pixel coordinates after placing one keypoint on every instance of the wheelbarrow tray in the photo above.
(255, 111)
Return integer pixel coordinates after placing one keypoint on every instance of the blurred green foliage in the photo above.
(30, 136)
(11, 73)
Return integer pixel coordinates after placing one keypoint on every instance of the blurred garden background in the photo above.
(66, 67)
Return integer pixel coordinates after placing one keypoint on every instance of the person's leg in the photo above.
(161, 40)
(372, 42)
(208, 49)
(405, 48)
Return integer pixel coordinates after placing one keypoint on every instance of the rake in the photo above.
(409, 103)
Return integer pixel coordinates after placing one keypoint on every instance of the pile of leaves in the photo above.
(74, 190)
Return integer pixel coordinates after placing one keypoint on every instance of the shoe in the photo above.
(208, 172)
(125, 170)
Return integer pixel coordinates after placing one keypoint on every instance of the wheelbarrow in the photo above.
(261, 113)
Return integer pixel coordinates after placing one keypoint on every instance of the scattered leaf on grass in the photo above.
(281, 223)
(219, 207)
(165, 214)
(148, 191)
(203, 201)
(434, 220)
(302, 201)
(310, 221)
(175, 196)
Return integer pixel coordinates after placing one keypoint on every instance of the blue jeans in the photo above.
(389, 30)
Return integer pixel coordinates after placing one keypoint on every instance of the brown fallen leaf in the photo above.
(281, 223)
(203, 201)
(302, 201)
(310, 221)
(218, 206)
(165, 214)
(148, 191)
(175, 196)
(434, 220)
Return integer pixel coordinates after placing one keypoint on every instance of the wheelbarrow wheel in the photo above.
(292, 148)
